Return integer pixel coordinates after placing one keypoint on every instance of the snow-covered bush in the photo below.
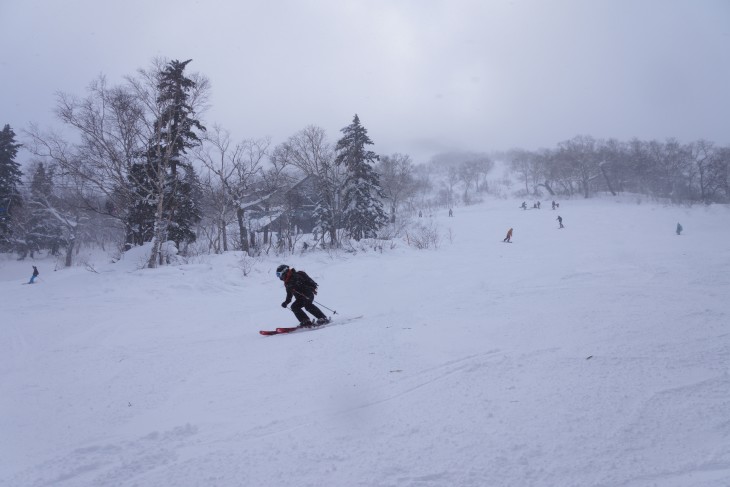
(424, 235)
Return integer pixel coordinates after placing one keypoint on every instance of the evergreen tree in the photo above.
(163, 207)
(10, 175)
(174, 128)
(186, 214)
(362, 207)
(175, 133)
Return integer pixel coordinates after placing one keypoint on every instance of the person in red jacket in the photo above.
(302, 288)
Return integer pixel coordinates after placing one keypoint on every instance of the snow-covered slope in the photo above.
(593, 355)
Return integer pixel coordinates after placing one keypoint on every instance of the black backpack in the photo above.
(307, 281)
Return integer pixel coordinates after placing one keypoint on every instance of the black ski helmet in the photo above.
(281, 271)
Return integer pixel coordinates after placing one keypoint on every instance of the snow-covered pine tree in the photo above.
(174, 132)
(186, 212)
(182, 203)
(362, 206)
(10, 179)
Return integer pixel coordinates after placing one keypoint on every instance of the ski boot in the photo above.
(322, 321)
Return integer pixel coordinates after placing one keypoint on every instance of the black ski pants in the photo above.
(307, 302)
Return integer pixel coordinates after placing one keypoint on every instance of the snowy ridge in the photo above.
(597, 354)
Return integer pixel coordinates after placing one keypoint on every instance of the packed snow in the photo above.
(593, 355)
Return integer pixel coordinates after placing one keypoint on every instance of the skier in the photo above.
(560, 220)
(35, 274)
(553, 204)
(508, 238)
(303, 288)
(524, 205)
(679, 229)
(451, 212)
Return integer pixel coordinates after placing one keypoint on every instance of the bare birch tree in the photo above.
(237, 168)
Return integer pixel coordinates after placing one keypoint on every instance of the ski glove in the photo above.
(284, 304)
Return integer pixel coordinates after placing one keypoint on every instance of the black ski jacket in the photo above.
(298, 283)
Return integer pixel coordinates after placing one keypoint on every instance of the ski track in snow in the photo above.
(595, 355)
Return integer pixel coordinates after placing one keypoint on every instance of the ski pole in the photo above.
(315, 302)
(320, 304)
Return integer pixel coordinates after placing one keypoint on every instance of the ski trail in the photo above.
(429, 377)
(405, 386)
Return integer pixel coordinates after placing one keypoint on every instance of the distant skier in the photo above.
(451, 212)
(303, 288)
(679, 229)
(508, 238)
(524, 205)
(560, 220)
(553, 204)
(538, 205)
(35, 274)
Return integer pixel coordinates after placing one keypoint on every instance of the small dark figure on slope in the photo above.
(35, 274)
(560, 220)
(303, 288)
(508, 238)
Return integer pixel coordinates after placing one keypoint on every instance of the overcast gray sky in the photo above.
(424, 76)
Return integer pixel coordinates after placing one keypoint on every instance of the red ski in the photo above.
(268, 332)
(283, 331)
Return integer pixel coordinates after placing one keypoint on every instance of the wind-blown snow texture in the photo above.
(595, 355)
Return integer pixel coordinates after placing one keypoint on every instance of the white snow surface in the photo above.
(594, 355)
